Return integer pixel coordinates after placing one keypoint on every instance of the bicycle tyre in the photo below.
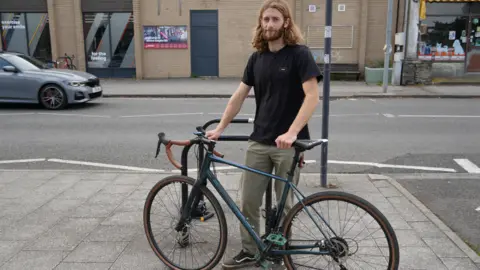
(386, 227)
(215, 204)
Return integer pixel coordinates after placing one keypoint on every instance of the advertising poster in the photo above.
(165, 37)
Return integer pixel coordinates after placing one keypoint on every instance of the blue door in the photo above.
(204, 42)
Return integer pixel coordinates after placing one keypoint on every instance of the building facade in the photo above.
(146, 39)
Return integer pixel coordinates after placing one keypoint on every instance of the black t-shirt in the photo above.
(277, 79)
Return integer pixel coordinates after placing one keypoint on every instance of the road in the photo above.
(374, 136)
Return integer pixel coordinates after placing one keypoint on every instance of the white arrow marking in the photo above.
(467, 165)
(95, 164)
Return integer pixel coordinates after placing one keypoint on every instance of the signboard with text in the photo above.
(165, 37)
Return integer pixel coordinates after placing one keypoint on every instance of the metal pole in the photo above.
(388, 45)
(326, 88)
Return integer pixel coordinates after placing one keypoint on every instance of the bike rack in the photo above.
(184, 164)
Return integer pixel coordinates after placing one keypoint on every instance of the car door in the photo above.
(19, 85)
(6, 80)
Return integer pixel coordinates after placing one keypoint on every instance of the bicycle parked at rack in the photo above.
(329, 245)
(65, 62)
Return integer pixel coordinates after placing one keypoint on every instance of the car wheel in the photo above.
(52, 97)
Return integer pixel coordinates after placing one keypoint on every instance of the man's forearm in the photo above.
(230, 112)
(305, 113)
(233, 108)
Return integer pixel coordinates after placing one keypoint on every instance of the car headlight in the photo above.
(76, 84)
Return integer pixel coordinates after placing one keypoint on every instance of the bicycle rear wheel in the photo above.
(200, 244)
(358, 235)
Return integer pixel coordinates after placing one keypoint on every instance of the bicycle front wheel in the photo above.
(200, 244)
(348, 231)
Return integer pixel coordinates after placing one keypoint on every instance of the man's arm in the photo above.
(234, 105)
(310, 87)
(306, 111)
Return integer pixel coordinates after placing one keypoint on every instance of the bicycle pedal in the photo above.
(277, 239)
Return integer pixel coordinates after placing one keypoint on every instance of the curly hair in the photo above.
(291, 34)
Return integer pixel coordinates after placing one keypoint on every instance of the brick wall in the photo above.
(377, 22)
(236, 23)
(237, 20)
(345, 30)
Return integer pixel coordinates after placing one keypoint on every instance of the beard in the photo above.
(272, 35)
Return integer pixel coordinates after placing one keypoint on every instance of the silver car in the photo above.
(24, 79)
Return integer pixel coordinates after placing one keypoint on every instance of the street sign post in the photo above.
(326, 89)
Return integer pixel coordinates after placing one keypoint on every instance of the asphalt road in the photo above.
(374, 136)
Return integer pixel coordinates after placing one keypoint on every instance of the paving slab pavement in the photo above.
(93, 220)
(224, 88)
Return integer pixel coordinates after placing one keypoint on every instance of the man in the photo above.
(285, 79)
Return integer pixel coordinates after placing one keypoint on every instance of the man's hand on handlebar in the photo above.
(214, 134)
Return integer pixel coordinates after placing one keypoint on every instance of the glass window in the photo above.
(24, 62)
(447, 9)
(14, 32)
(3, 63)
(443, 38)
(26, 33)
(123, 49)
(39, 36)
(109, 40)
(97, 39)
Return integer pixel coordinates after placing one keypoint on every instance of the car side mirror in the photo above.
(10, 69)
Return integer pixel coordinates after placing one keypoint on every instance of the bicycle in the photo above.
(279, 243)
(65, 62)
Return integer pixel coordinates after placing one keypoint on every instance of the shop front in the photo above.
(24, 28)
(450, 37)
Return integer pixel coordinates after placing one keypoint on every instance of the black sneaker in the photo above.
(243, 259)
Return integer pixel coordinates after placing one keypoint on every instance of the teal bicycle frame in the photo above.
(206, 175)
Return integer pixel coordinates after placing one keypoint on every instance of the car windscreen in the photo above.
(24, 62)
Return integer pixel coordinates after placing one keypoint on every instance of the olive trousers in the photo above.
(264, 158)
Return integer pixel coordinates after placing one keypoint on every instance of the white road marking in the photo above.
(76, 114)
(467, 165)
(159, 115)
(13, 161)
(13, 114)
(221, 168)
(438, 116)
(105, 165)
(246, 114)
(372, 164)
(381, 165)
(388, 115)
(478, 209)
(351, 114)
(373, 100)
